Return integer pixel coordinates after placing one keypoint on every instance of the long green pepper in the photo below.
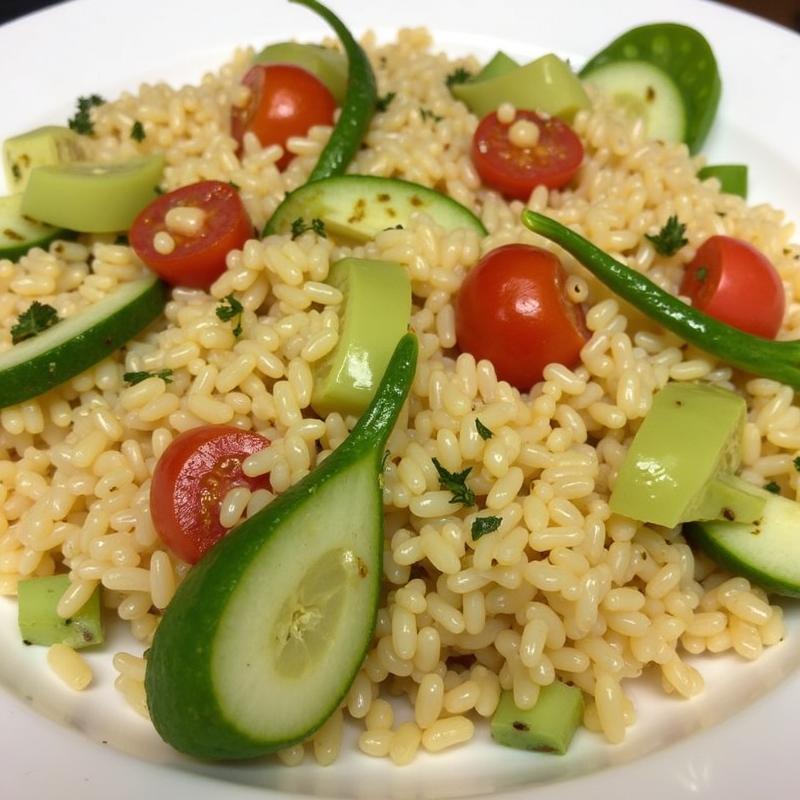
(770, 359)
(359, 100)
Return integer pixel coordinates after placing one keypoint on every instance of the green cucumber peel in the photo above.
(732, 177)
(684, 55)
(359, 101)
(499, 64)
(19, 233)
(66, 349)
(223, 680)
(769, 359)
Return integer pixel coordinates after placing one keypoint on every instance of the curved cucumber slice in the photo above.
(645, 91)
(680, 464)
(330, 66)
(51, 144)
(19, 233)
(546, 84)
(358, 207)
(684, 55)
(374, 316)
(92, 198)
(498, 64)
(732, 177)
(264, 636)
(37, 365)
(767, 551)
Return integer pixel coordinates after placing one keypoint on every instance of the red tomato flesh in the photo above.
(196, 260)
(512, 310)
(191, 480)
(735, 283)
(516, 171)
(285, 100)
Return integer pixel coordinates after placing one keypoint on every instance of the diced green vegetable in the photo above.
(732, 177)
(49, 145)
(499, 64)
(329, 65)
(41, 363)
(374, 316)
(357, 208)
(263, 638)
(547, 727)
(767, 550)
(681, 462)
(39, 622)
(658, 57)
(18, 233)
(92, 198)
(546, 84)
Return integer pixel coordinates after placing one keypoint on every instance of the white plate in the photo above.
(737, 740)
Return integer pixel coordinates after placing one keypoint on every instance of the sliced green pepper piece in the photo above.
(732, 177)
(770, 359)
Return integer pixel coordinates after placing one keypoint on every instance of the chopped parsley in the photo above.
(299, 227)
(82, 121)
(121, 238)
(458, 75)
(485, 433)
(772, 487)
(426, 114)
(137, 131)
(796, 462)
(137, 377)
(670, 238)
(382, 103)
(39, 317)
(456, 482)
(483, 525)
(230, 308)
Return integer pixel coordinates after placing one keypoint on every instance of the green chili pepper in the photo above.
(359, 100)
(777, 360)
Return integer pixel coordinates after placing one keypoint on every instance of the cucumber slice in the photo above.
(330, 66)
(358, 207)
(680, 464)
(51, 144)
(39, 622)
(264, 636)
(546, 84)
(18, 233)
(643, 90)
(374, 317)
(732, 177)
(37, 365)
(684, 56)
(499, 64)
(767, 551)
(93, 198)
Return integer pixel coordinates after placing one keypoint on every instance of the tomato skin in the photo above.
(516, 171)
(285, 100)
(190, 481)
(735, 283)
(512, 310)
(196, 261)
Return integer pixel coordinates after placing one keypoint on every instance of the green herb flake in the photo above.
(426, 114)
(137, 131)
(485, 433)
(121, 238)
(39, 317)
(796, 462)
(82, 121)
(483, 525)
(158, 190)
(137, 377)
(458, 75)
(772, 487)
(299, 227)
(455, 482)
(670, 238)
(382, 103)
(230, 308)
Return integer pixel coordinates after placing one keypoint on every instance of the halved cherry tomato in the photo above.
(512, 309)
(516, 171)
(191, 480)
(734, 282)
(199, 259)
(285, 101)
